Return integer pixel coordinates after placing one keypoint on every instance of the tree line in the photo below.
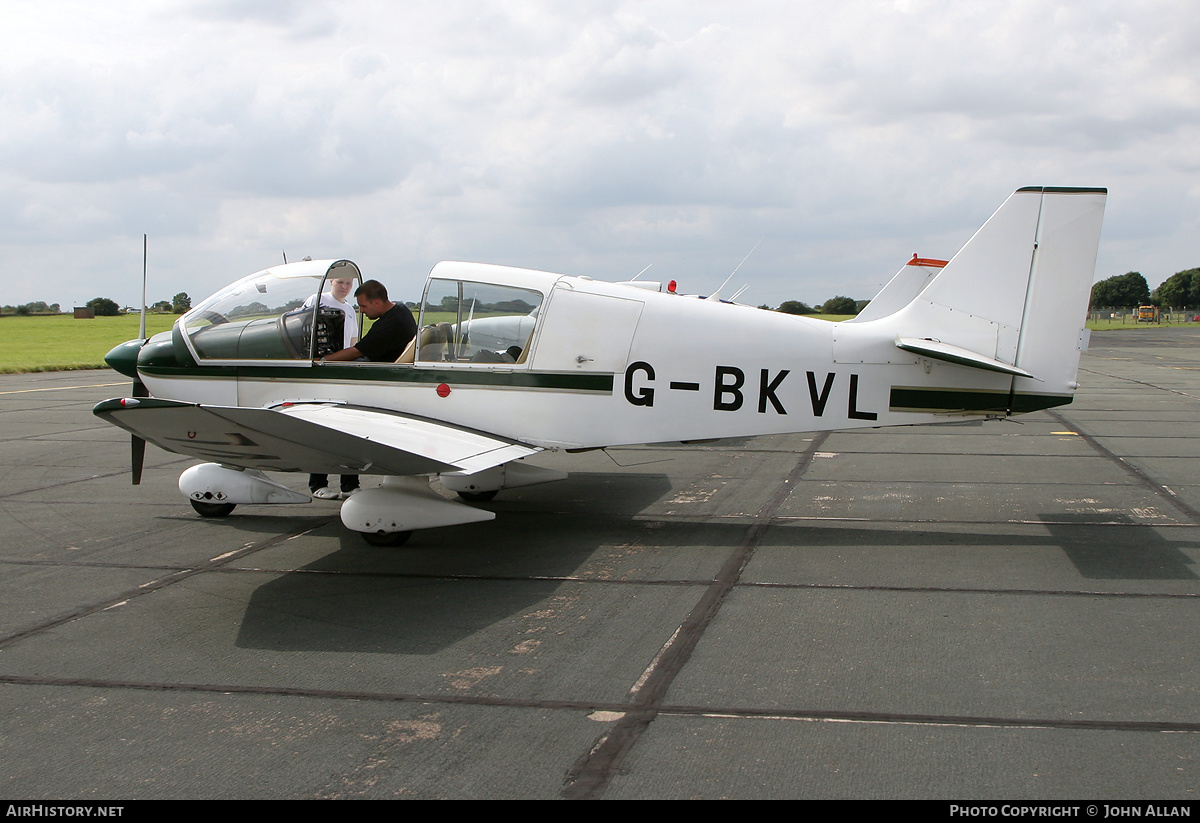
(834, 305)
(102, 306)
(1179, 291)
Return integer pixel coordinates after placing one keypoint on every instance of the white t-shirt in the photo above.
(349, 326)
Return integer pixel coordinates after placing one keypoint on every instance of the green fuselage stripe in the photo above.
(369, 373)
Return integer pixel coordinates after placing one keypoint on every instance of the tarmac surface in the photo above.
(1004, 611)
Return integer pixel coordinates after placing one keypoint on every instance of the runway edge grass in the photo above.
(61, 343)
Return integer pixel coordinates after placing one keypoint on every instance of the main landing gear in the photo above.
(478, 497)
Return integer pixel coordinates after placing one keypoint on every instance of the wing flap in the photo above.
(320, 438)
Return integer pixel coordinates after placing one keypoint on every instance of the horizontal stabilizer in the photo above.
(311, 437)
(956, 354)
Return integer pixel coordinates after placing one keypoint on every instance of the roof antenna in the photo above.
(284, 256)
(717, 294)
(639, 274)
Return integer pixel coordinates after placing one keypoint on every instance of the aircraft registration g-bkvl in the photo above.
(508, 362)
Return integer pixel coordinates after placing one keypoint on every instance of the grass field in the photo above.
(1108, 324)
(60, 342)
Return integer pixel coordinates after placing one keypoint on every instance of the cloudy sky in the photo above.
(589, 137)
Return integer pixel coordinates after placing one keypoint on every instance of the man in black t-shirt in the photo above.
(394, 328)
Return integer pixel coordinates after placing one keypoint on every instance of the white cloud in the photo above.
(590, 138)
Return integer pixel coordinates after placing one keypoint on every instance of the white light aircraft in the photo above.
(508, 362)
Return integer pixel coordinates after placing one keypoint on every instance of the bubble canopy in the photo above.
(282, 313)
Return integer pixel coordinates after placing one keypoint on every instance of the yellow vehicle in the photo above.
(1147, 314)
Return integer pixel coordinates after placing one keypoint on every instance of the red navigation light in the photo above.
(671, 286)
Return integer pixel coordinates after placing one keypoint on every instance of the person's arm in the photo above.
(351, 353)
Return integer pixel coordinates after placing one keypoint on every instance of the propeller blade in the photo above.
(137, 445)
(138, 455)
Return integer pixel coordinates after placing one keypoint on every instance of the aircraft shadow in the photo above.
(447, 584)
(1131, 551)
(1099, 549)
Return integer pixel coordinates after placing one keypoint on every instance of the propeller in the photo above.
(137, 446)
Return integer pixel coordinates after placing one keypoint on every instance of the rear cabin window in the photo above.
(476, 323)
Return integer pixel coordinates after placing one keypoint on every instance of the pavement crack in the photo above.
(591, 775)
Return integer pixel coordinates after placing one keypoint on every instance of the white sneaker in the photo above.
(345, 495)
(326, 494)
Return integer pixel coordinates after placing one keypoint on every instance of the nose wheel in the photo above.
(386, 538)
(212, 509)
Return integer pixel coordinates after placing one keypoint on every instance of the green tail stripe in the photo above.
(906, 399)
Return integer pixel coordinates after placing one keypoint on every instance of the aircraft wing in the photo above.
(322, 438)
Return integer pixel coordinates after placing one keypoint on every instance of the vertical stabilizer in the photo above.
(1014, 299)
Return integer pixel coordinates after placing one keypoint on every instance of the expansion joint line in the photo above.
(589, 778)
(154, 585)
(1141, 383)
(1142, 477)
(87, 479)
